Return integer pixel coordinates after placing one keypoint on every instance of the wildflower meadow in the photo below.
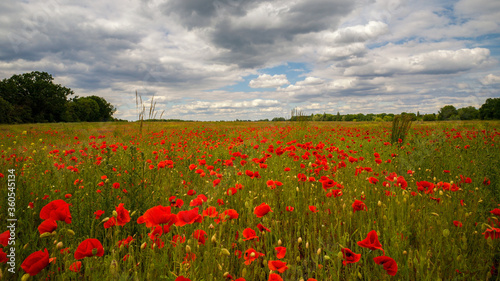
(250, 201)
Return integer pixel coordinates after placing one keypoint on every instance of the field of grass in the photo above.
(249, 201)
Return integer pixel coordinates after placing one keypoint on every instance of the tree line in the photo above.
(34, 98)
(490, 110)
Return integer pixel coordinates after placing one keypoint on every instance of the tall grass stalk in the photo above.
(400, 127)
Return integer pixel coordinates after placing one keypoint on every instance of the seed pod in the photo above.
(225, 252)
(113, 267)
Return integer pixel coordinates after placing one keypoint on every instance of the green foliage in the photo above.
(468, 113)
(429, 117)
(34, 98)
(490, 109)
(446, 112)
(46, 101)
(6, 110)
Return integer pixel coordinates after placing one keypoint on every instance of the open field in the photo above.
(259, 201)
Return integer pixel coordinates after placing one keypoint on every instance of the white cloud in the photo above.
(491, 79)
(268, 81)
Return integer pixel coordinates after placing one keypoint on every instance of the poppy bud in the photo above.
(133, 213)
(219, 266)
(243, 272)
(45, 234)
(211, 226)
(307, 245)
(59, 245)
(70, 232)
(188, 249)
(25, 277)
(24, 248)
(225, 252)
(379, 203)
(115, 214)
(214, 239)
(113, 267)
(298, 259)
(143, 245)
(327, 258)
(299, 240)
(318, 252)
(405, 253)
(226, 274)
(279, 242)
(446, 232)
(340, 255)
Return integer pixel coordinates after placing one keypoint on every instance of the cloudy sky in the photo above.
(255, 59)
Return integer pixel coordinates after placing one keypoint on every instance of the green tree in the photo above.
(468, 113)
(35, 94)
(429, 117)
(6, 111)
(106, 110)
(490, 109)
(446, 112)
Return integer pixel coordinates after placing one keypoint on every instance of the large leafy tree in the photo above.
(34, 97)
(448, 112)
(468, 113)
(490, 109)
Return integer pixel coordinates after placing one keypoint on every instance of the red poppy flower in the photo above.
(123, 215)
(313, 209)
(182, 278)
(457, 223)
(35, 262)
(200, 235)
(76, 266)
(188, 217)
(227, 215)
(372, 180)
(249, 234)
(262, 228)
(210, 212)
(493, 233)
(57, 210)
(358, 206)
(289, 208)
(157, 215)
(3, 256)
(251, 255)
(350, 256)
(371, 242)
(48, 225)
(178, 239)
(116, 185)
(98, 214)
(189, 258)
(281, 252)
(495, 212)
(277, 265)
(262, 210)
(88, 248)
(275, 277)
(110, 223)
(389, 264)
(125, 241)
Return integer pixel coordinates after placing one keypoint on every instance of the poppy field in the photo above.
(249, 201)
